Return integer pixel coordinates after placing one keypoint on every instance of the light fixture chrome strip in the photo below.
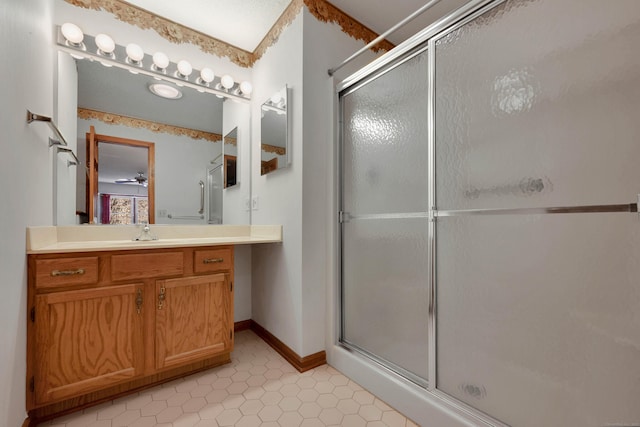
(88, 52)
(628, 207)
(382, 36)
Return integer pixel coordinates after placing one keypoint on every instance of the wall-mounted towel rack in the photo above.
(59, 141)
(73, 162)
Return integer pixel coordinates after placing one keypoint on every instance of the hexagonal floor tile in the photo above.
(257, 389)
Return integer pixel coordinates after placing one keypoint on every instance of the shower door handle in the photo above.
(612, 208)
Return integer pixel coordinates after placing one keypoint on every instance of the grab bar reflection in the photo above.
(201, 211)
(194, 217)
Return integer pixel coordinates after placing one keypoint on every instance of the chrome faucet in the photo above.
(146, 235)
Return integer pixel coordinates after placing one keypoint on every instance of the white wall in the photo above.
(26, 163)
(289, 280)
(236, 201)
(277, 269)
(325, 46)
(236, 198)
(65, 115)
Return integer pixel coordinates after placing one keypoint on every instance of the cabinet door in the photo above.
(87, 340)
(193, 319)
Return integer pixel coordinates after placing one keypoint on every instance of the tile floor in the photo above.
(258, 388)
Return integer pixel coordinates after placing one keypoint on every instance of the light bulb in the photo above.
(134, 52)
(246, 88)
(105, 44)
(160, 61)
(185, 68)
(72, 33)
(206, 74)
(276, 98)
(227, 81)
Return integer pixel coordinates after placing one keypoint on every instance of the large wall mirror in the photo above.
(274, 144)
(185, 133)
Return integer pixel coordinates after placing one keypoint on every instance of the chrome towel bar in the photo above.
(627, 207)
(59, 142)
(344, 217)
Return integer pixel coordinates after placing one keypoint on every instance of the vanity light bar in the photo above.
(143, 63)
(269, 107)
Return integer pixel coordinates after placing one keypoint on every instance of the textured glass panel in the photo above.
(385, 290)
(537, 105)
(538, 319)
(385, 142)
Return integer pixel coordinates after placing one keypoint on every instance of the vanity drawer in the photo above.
(57, 272)
(210, 260)
(144, 266)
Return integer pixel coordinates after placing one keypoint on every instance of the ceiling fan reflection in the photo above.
(140, 179)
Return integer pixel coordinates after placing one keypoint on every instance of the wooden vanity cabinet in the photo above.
(104, 323)
(200, 303)
(86, 339)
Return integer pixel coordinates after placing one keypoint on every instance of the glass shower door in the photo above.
(384, 217)
(536, 108)
(215, 185)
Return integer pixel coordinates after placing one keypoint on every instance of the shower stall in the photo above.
(488, 212)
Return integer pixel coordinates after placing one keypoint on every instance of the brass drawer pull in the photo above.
(67, 272)
(212, 260)
(161, 298)
(139, 300)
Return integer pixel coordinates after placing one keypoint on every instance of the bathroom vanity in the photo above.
(107, 316)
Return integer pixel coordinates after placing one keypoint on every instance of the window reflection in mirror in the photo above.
(230, 151)
(273, 128)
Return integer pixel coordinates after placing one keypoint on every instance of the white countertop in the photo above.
(89, 238)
